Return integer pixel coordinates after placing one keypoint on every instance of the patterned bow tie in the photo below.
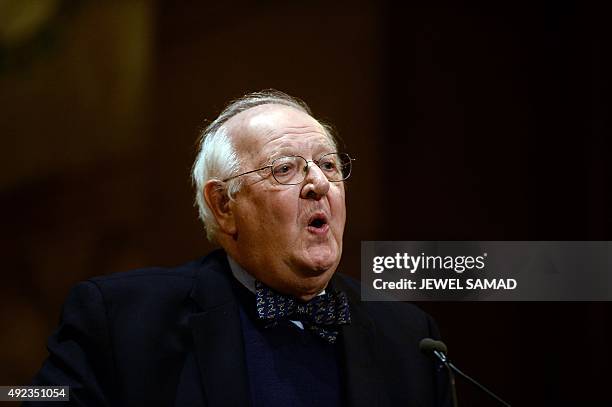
(322, 315)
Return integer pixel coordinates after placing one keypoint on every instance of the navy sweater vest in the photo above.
(288, 366)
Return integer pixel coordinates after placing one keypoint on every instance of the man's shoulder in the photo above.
(155, 273)
(156, 282)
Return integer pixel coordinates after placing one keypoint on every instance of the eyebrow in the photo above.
(288, 151)
(267, 159)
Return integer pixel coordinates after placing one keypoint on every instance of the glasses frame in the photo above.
(316, 162)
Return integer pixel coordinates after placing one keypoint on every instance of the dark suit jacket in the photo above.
(173, 337)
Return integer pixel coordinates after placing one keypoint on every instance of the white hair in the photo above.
(217, 158)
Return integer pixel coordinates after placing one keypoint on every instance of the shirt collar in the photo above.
(241, 274)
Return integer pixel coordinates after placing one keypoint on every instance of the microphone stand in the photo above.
(451, 375)
(449, 365)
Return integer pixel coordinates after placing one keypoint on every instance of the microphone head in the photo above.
(428, 345)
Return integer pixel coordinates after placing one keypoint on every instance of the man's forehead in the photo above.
(264, 121)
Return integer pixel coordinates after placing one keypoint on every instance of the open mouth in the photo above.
(318, 221)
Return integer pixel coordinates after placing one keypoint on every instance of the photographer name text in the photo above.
(451, 284)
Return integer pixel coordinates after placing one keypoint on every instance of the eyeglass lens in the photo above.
(292, 170)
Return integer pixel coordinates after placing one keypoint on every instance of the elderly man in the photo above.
(264, 321)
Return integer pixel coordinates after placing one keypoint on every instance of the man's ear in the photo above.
(215, 194)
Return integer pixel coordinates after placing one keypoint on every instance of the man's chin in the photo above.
(320, 260)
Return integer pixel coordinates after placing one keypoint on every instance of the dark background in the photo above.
(469, 121)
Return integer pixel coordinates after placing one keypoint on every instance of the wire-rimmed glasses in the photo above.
(292, 170)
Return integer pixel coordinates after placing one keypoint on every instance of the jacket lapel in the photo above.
(217, 335)
(363, 379)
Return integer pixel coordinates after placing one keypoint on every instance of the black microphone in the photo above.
(439, 349)
(429, 345)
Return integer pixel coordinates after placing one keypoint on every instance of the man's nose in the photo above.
(315, 184)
